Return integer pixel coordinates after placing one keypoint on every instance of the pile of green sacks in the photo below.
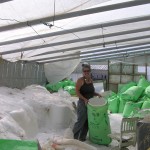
(67, 85)
(131, 98)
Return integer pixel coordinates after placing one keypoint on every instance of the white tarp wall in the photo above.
(21, 74)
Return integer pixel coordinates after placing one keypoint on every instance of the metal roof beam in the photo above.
(75, 14)
(80, 40)
(107, 36)
(117, 50)
(107, 24)
(78, 57)
(104, 51)
(117, 53)
(129, 46)
(102, 55)
(90, 46)
(115, 57)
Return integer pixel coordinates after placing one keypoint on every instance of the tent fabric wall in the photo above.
(58, 71)
(21, 74)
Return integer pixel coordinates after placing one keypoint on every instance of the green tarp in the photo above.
(99, 125)
(6, 144)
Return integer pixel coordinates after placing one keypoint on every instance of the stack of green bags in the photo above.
(67, 85)
(131, 98)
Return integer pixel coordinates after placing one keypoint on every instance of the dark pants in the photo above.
(81, 126)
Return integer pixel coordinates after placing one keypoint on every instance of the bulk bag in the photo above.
(143, 82)
(146, 105)
(147, 91)
(113, 104)
(132, 94)
(131, 107)
(125, 87)
(98, 120)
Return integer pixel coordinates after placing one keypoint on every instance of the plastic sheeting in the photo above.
(57, 71)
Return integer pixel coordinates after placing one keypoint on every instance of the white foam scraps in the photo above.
(36, 88)
(64, 94)
(60, 117)
(67, 98)
(7, 104)
(26, 118)
(72, 144)
(68, 134)
(36, 110)
(53, 111)
(8, 135)
(42, 101)
(9, 129)
(63, 141)
(46, 139)
(41, 95)
(8, 91)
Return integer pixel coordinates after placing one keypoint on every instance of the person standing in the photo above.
(84, 90)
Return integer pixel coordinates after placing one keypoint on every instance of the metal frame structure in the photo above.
(91, 27)
(85, 51)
